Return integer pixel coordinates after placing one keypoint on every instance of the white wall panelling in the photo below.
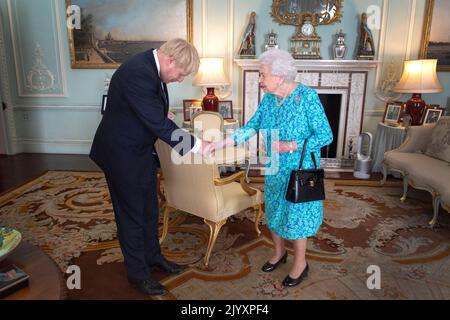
(6, 96)
(37, 137)
(59, 87)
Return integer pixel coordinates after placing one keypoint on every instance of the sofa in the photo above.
(423, 160)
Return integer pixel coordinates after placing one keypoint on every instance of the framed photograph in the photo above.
(226, 109)
(435, 40)
(392, 113)
(432, 115)
(190, 107)
(109, 32)
(104, 101)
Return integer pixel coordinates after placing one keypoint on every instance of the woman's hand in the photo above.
(206, 149)
(284, 146)
(227, 142)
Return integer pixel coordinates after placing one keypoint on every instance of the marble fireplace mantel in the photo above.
(354, 65)
(345, 77)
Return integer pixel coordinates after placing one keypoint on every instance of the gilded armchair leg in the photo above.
(165, 229)
(258, 209)
(384, 170)
(162, 197)
(405, 187)
(214, 228)
(436, 204)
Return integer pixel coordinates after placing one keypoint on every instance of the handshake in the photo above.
(207, 148)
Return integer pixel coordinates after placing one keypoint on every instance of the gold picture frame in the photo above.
(432, 115)
(190, 107)
(393, 112)
(292, 12)
(430, 49)
(109, 53)
(226, 109)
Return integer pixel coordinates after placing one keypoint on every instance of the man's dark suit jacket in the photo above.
(135, 117)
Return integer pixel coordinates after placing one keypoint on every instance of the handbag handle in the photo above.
(303, 156)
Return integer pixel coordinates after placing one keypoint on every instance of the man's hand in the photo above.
(171, 115)
(206, 148)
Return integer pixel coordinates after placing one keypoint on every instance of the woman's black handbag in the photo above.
(306, 185)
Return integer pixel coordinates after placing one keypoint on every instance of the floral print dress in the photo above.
(299, 117)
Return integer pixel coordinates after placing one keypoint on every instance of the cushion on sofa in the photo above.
(439, 146)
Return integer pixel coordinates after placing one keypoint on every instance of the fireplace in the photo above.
(332, 105)
(341, 86)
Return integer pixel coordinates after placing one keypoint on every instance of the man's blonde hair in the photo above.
(184, 53)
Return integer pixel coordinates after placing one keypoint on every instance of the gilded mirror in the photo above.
(292, 11)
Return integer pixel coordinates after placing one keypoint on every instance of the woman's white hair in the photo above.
(280, 62)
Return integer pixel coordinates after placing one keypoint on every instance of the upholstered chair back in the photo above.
(208, 125)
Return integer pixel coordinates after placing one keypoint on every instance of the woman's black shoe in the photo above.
(290, 282)
(269, 267)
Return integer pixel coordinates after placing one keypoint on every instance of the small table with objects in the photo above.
(386, 138)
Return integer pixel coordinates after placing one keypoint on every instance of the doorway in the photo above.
(3, 132)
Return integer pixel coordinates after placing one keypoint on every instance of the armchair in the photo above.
(194, 185)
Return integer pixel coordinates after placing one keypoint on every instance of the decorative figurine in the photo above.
(366, 47)
(272, 41)
(247, 49)
(339, 47)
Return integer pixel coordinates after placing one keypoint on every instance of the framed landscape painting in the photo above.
(111, 31)
(436, 34)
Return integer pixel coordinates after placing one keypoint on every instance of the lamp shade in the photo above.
(210, 73)
(419, 76)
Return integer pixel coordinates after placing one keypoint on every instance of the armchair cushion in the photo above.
(236, 199)
(439, 146)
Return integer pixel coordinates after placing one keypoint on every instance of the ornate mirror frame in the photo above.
(318, 17)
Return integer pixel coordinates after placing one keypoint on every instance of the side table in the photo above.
(386, 138)
(46, 279)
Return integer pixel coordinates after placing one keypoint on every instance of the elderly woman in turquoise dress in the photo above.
(295, 112)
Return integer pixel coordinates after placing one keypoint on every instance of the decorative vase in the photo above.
(415, 108)
(340, 48)
(210, 101)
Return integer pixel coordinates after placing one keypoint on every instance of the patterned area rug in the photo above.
(69, 215)
(61, 212)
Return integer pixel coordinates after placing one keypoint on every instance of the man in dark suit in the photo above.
(123, 147)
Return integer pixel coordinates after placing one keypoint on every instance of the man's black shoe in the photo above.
(148, 286)
(168, 266)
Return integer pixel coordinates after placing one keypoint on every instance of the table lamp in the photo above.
(211, 75)
(419, 76)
